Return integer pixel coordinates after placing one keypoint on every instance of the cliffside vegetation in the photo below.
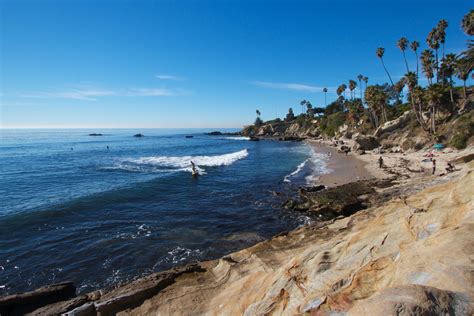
(364, 108)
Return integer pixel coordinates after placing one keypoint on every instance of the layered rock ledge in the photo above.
(411, 255)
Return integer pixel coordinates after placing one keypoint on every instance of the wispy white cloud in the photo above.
(92, 94)
(288, 86)
(76, 94)
(169, 77)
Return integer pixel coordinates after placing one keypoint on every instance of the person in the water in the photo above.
(193, 167)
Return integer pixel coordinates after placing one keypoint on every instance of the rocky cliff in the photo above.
(282, 130)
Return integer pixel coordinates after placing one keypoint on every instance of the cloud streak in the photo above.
(92, 94)
(288, 86)
(168, 77)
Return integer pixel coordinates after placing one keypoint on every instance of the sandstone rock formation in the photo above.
(410, 256)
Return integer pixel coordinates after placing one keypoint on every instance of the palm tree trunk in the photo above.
(406, 63)
(436, 66)
(416, 67)
(325, 100)
(464, 89)
(451, 90)
(389, 77)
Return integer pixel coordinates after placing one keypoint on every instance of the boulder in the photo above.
(365, 143)
(344, 149)
(390, 126)
(138, 135)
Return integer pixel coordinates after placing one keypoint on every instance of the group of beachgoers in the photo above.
(449, 166)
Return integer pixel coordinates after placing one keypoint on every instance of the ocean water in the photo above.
(73, 209)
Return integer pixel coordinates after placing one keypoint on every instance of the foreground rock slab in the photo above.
(412, 255)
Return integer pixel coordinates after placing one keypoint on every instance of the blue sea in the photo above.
(103, 210)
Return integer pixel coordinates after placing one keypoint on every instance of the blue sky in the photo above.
(197, 63)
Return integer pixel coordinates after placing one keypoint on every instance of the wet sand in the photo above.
(344, 168)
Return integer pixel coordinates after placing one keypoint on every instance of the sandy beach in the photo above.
(343, 168)
(404, 166)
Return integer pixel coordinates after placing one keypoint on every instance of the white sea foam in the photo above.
(298, 169)
(317, 164)
(174, 163)
(237, 138)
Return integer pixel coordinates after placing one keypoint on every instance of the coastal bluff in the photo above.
(411, 255)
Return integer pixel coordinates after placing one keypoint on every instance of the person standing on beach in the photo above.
(434, 166)
(380, 162)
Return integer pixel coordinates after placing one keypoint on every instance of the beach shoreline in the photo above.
(343, 168)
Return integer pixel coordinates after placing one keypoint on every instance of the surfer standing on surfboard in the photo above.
(193, 166)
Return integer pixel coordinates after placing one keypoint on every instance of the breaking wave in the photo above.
(174, 164)
(311, 168)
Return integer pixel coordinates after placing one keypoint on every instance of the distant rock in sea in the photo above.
(189, 136)
(138, 135)
(218, 133)
(96, 134)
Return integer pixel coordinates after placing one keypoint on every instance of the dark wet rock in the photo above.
(138, 135)
(61, 307)
(135, 293)
(343, 200)
(344, 149)
(19, 304)
(365, 142)
(189, 136)
(315, 188)
(96, 134)
(254, 139)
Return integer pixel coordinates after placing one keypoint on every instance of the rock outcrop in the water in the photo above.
(138, 135)
(96, 134)
(343, 200)
(283, 130)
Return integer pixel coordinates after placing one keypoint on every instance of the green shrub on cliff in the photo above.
(330, 124)
(462, 131)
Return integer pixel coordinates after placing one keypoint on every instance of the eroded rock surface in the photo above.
(412, 255)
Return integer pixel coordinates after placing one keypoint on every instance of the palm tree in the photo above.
(303, 103)
(352, 86)
(411, 80)
(427, 63)
(441, 30)
(325, 90)
(448, 68)
(403, 44)
(463, 69)
(433, 42)
(258, 113)
(380, 51)
(343, 89)
(414, 47)
(468, 23)
(360, 78)
(309, 109)
(433, 96)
